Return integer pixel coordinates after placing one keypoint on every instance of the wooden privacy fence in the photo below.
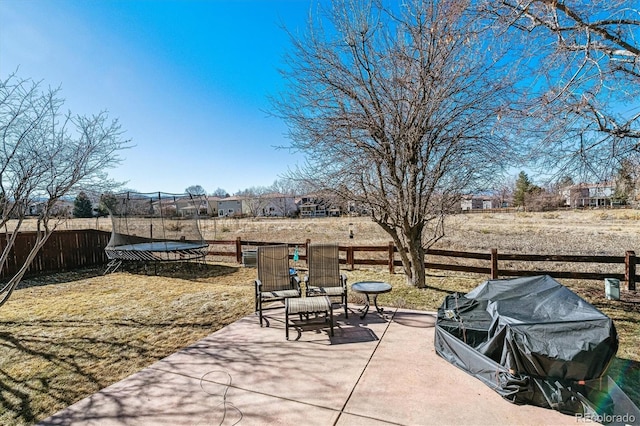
(63, 251)
(349, 256)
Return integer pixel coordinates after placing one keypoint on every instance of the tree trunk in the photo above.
(417, 277)
(409, 244)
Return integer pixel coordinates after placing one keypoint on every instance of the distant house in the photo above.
(487, 203)
(278, 205)
(355, 208)
(318, 205)
(186, 206)
(586, 195)
(309, 208)
(475, 202)
(63, 208)
(471, 202)
(334, 211)
(166, 207)
(274, 204)
(212, 206)
(232, 207)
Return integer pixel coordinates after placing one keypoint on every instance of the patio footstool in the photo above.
(305, 306)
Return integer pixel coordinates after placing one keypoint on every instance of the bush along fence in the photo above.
(351, 256)
(63, 251)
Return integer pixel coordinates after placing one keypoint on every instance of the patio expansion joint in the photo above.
(355, 385)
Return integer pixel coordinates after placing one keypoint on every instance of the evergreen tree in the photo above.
(108, 203)
(523, 187)
(82, 206)
(624, 183)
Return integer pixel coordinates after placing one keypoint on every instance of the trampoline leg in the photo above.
(112, 266)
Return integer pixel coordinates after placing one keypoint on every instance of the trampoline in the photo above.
(154, 227)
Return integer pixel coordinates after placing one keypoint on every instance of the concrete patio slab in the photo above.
(420, 388)
(376, 371)
(152, 397)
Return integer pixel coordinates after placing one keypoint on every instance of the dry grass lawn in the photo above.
(65, 336)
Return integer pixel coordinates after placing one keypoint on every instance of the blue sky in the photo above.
(188, 80)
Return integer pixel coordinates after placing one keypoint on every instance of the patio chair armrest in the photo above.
(258, 285)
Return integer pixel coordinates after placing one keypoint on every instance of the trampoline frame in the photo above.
(145, 249)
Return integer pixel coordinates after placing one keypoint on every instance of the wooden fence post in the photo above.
(238, 250)
(391, 257)
(494, 264)
(351, 258)
(630, 270)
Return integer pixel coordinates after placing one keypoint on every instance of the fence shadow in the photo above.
(60, 277)
(182, 270)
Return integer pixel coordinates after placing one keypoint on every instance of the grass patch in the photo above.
(625, 313)
(409, 297)
(63, 341)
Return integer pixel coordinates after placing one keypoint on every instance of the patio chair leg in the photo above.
(286, 322)
(346, 312)
(260, 312)
(331, 318)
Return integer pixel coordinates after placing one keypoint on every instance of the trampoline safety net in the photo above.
(155, 226)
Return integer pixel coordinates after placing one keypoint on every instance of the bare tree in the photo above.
(585, 56)
(45, 155)
(195, 190)
(284, 186)
(543, 199)
(502, 194)
(220, 193)
(255, 199)
(282, 197)
(398, 109)
(625, 182)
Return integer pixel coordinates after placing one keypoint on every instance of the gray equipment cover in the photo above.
(532, 340)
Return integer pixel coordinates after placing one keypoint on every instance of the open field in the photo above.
(65, 336)
(588, 232)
